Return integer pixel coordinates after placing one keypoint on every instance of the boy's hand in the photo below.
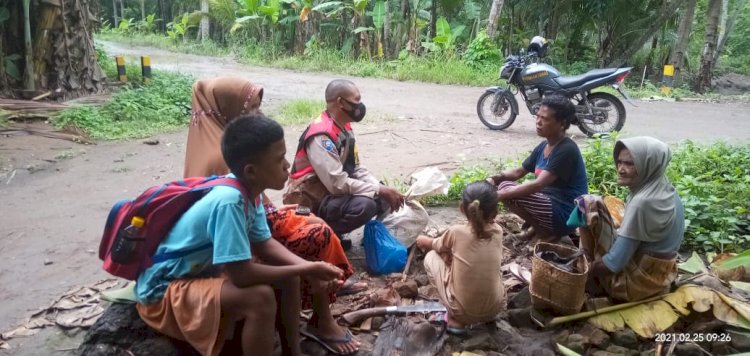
(324, 271)
(289, 207)
(317, 285)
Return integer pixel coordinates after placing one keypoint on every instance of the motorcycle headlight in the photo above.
(505, 71)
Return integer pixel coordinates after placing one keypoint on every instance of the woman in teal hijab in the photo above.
(639, 259)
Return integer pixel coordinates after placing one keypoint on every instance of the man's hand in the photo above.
(323, 271)
(392, 197)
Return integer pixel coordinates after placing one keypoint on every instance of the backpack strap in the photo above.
(207, 184)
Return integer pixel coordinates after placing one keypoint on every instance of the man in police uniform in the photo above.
(326, 175)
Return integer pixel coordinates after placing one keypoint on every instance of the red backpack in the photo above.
(160, 206)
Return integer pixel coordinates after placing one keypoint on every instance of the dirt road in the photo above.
(56, 194)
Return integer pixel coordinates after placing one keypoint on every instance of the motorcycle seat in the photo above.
(576, 80)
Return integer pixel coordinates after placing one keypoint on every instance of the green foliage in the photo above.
(135, 111)
(481, 52)
(713, 181)
(11, 68)
(298, 112)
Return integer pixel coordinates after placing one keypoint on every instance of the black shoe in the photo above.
(346, 243)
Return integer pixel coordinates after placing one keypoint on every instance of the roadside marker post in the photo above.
(121, 75)
(667, 79)
(146, 69)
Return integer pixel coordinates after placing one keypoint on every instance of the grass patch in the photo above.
(207, 48)
(298, 111)
(430, 69)
(136, 111)
(712, 180)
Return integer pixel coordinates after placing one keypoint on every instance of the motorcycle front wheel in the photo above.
(496, 109)
(607, 114)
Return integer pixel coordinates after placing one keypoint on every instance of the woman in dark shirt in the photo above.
(545, 202)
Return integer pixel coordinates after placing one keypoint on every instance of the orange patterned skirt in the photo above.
(313, 242)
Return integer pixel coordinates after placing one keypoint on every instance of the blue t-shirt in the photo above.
(566, 163)
(216, 229)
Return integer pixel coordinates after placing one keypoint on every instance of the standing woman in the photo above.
(216, 102)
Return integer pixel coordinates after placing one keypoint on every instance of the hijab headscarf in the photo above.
(216, 102)
(650, 207)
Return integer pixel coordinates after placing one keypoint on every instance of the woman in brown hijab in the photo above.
(216, 102)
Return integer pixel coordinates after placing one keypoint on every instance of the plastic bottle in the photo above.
(128, 242)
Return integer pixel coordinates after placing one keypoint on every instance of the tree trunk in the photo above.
(114, 14)
(494, 20)
(387, 31)
(727, 29)
(666, 12)
(433, 20)
(204, 21)
(400, 27)
(29, 70)
(677, 57)
(122, 9)
(143, 10)
(703, 80)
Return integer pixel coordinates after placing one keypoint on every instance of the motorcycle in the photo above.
(596, 113)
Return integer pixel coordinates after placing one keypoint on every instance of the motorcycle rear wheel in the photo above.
(492, 107)
(608, 114)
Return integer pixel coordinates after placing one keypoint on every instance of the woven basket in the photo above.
(553, 288)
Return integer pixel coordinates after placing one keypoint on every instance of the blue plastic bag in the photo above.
(384, 254)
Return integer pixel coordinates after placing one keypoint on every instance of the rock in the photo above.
(521, 318)
(422, 280)
(48, 262)
(377, 322)
(151, 142)
(120, 331)
(482, 341)
(562, 337)
(619, 350)
(576, 342)
(651, 352)
(521, 300)
(625, 338)
(408, 289)
(493, 353)
(685, 349)
(595, 336)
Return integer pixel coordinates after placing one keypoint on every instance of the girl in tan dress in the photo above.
(464, 263)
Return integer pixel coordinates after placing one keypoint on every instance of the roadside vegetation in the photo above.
(713, 181)
(452, 42)
(136, 110)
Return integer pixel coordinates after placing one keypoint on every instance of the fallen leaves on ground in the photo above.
(77, 308)
(650, 318)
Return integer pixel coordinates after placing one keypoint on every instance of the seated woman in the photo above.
(545, 202)
(464, 263)
(216, 102)
(641, 261)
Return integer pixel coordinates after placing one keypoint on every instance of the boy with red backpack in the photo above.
(206, 273)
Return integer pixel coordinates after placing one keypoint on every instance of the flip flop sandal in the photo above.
(442, 318)
(329, 343)
(350, 287)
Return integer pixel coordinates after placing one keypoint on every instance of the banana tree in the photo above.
(445, 39)
(357, 7)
